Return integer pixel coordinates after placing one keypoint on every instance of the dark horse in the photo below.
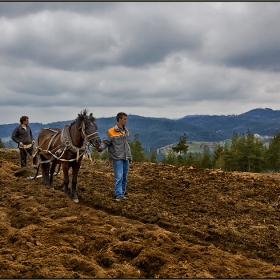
(66, 147)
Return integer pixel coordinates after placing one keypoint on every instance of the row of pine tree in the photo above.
(246, 154)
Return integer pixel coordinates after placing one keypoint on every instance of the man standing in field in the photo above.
(117, 141)
(22, 135)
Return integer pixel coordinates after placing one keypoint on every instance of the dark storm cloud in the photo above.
(260, 60)
(60, 54)
(154, 39)
(66, 46)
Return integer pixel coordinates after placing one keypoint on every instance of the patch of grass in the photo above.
(60, 199)
(22, 173)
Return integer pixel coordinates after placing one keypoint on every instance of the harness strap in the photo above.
(66, 141)
(50, 142)
(49, 160)
(66, 138)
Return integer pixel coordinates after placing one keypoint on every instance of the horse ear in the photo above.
(90, 114)
(80, 117)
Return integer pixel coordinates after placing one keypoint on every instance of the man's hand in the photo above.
(98, 148)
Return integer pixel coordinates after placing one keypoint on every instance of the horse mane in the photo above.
(83, 113)
(81, 116)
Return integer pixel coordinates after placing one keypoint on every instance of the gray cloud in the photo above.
(20, 9)
(259, 59)
(160, 59)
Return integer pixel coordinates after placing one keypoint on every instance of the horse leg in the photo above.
(43, 166)
(45, 172)
(52, 172)
(76, 168)
(47, 166)
(65, 168)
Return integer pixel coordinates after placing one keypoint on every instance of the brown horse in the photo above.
(66, 147)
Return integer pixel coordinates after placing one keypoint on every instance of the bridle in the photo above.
(88, 137)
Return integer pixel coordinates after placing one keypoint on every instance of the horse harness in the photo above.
(67, 144)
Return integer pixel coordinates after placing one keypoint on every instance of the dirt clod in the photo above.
(176, 223)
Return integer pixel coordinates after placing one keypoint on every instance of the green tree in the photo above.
(190, 160)
(181, 160)
(233, 155)
(181, 148)
(105, 155)
(273, 153)
(265, 157)
(197, 160)
(226, 158)
(206, 158)
(258, 163)
(241, 154)
(169, 157)
(246, 153)
(217, 156)
(137, 150)
(254, 155)
(95, 155)
(10, 144)
(153, 156)
(220, 163)
(1, 144)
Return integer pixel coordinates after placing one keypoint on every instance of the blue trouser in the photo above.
(120, 176)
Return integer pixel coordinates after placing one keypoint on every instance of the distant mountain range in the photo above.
(159, 132)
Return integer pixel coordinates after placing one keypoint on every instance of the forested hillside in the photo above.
(260, 121)
(159, 132)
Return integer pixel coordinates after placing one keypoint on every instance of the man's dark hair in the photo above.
(23, 118)
(120, 115)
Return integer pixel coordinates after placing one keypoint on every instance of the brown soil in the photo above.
(177, 223)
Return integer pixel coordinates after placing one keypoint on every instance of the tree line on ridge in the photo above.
(246, 153)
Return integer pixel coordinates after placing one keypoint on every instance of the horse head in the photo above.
(89, 129)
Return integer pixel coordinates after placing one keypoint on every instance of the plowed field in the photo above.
(177, 223)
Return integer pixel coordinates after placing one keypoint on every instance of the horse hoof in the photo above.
(76, 200)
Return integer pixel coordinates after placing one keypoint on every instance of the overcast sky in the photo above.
(153, 59)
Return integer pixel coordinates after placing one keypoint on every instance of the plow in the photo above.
(36, 171)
